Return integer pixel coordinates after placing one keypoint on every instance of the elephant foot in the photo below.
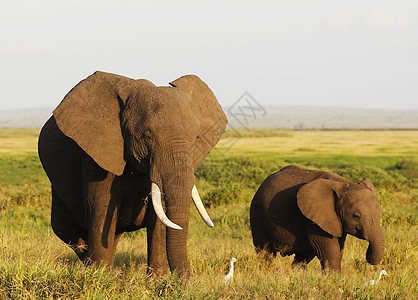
(183, 274)
(331, 265)
(302, 261)
(165, 273)
(265, 254)
(299, 264)
(89, 262)
(98, 257)
(157, 272)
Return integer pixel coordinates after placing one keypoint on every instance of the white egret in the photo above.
(372, 282)
(229, 277)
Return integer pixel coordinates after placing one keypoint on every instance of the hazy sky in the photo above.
(325, 53)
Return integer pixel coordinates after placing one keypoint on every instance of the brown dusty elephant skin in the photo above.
(309, 213)
(120, 154)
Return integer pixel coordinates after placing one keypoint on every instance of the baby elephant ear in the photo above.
(316, 201)
(89, 114)
(367, 183)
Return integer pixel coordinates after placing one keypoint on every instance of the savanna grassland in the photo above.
(35, 264)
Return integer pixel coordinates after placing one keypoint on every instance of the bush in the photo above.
(227, 194)
(232, 180)
(406, 164)
(380, 178)
(245, 170)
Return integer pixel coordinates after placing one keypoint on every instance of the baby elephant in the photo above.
(309, 213)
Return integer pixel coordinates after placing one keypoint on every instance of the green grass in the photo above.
(35, 264)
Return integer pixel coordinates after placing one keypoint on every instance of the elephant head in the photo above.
(164, 132)
(344, 207)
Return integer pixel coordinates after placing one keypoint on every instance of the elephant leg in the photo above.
(102, 227)
(116, 241)
(65, 228)
(102, 206)
(334, 253)
(327, 248)
(332, 258)
(157, 261)
(328, 251)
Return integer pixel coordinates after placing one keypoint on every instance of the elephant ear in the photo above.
(367, 183)
(317, 202)
(207, 110)
(89, 114)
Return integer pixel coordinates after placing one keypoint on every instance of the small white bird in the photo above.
(230, 276)
(372, 282)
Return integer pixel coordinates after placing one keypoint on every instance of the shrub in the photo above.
(406, 164)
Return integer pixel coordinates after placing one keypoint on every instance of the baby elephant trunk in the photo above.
(376, 247)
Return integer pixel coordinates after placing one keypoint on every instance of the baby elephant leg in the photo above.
(328, 249)
(329, 254)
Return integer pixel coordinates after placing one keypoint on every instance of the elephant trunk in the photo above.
(176, 179)
(178, 197)
(376, 247)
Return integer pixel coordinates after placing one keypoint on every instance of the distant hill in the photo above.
(305, 117)
(293, 117)
(25, 118)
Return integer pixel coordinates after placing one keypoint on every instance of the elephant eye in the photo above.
(356, 216)
(147, 136)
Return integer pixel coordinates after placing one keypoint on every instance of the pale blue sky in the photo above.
(360, 54)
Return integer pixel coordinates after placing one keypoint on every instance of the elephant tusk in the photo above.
(200, 208)
(158, 207)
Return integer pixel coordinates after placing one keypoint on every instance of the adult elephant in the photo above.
(111, 143)
(309, 213)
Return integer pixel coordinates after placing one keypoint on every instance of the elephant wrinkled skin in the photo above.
(309, 213)
(111, 144)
